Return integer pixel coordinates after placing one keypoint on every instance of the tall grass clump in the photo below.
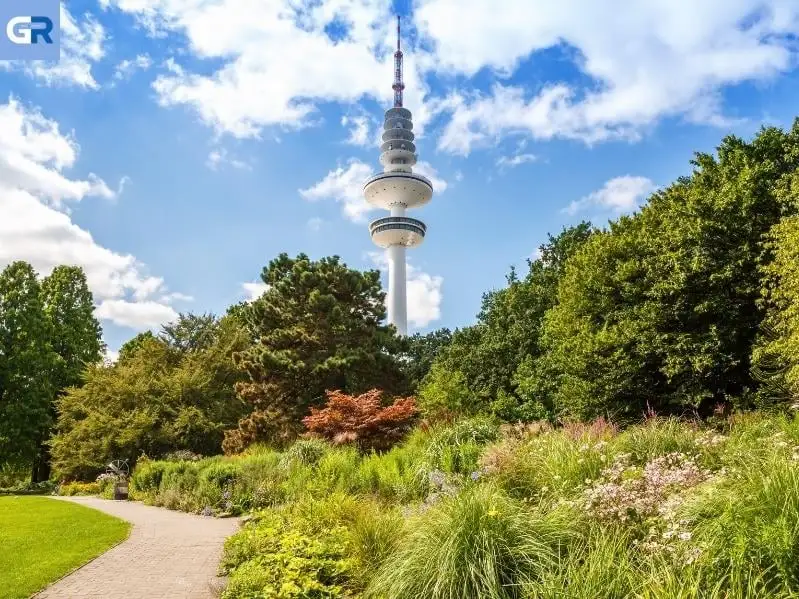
(544, 463)
(456, 449)
(656, 437)
(747, 527)
(480, 544)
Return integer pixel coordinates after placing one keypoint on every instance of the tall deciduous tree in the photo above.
(663, 309)
(27, 366)
(317, 328)
(75, 336)
(486, 357)
(156, 400)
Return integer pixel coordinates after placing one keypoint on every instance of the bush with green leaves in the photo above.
(298, 551)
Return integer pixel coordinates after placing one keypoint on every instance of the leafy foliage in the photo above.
(662, 309)
(419, 353)
(776, 355)
(479, 367)
(316, 328)
(156, 400)
(27, 365)
(362, 419)
(283, 556)
(75, 336)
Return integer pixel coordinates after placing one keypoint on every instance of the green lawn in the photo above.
(42, 539)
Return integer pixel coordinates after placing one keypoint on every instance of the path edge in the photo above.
(87, 562)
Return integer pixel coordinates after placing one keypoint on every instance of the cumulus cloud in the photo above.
(515, 160)
(126, 68)
(344, 185)
(110, 357)
(219, 157)
(35, 225)
(426, 169)
(359, 129)
(136, 314)
(423, 289)
(278, 61)
(253, 290)
(620, 194)
(673, 60)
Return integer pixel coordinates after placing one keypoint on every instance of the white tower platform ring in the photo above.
(387, 189)
(397, 230)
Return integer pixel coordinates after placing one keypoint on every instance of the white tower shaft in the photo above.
(396, 189)
(397, 292)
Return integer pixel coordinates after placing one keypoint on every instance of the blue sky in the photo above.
(179, 145)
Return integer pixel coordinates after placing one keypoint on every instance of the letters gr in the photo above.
(29, 30)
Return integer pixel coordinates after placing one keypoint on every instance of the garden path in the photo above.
(169, 555)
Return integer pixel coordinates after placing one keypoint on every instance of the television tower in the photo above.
(396, 189)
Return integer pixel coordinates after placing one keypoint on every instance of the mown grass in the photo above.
(665, 509)
(42, 539)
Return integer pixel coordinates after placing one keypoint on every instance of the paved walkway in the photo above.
(169, 555)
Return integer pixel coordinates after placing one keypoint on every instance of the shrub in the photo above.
(295, 552)
(362, 420)
(74, 488)
(307, 452)
(477, 545)
(146, 478)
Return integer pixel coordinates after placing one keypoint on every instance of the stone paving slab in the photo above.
(169, 555)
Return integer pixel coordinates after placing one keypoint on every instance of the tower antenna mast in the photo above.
(399, 85)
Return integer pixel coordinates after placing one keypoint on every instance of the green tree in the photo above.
(27, 364)
(661, 310)
(419, 352)
(132, 345)
(318, 328)
(776, 353)
(154, 401)
(75, 336)
(190, 332)
(489, 354)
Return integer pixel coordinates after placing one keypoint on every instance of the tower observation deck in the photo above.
(397, 189)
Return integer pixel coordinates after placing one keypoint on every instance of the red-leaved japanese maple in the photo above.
(362, 419)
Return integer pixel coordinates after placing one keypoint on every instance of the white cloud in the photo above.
(218, 158)
(175, 296)
(254, 290)
(124, 181)
(645, 61)
(126, 68)
(620, 194)
(137, 314)
(359, 129)
(639, 63)
(427, 170)
(278, 58)
(35, 226)
(110, 357)
(82, 43)
(344, 185)
(423, 289)
(516, 160)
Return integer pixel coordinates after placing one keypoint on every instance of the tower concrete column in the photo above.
(397, 189)
(397, 291)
